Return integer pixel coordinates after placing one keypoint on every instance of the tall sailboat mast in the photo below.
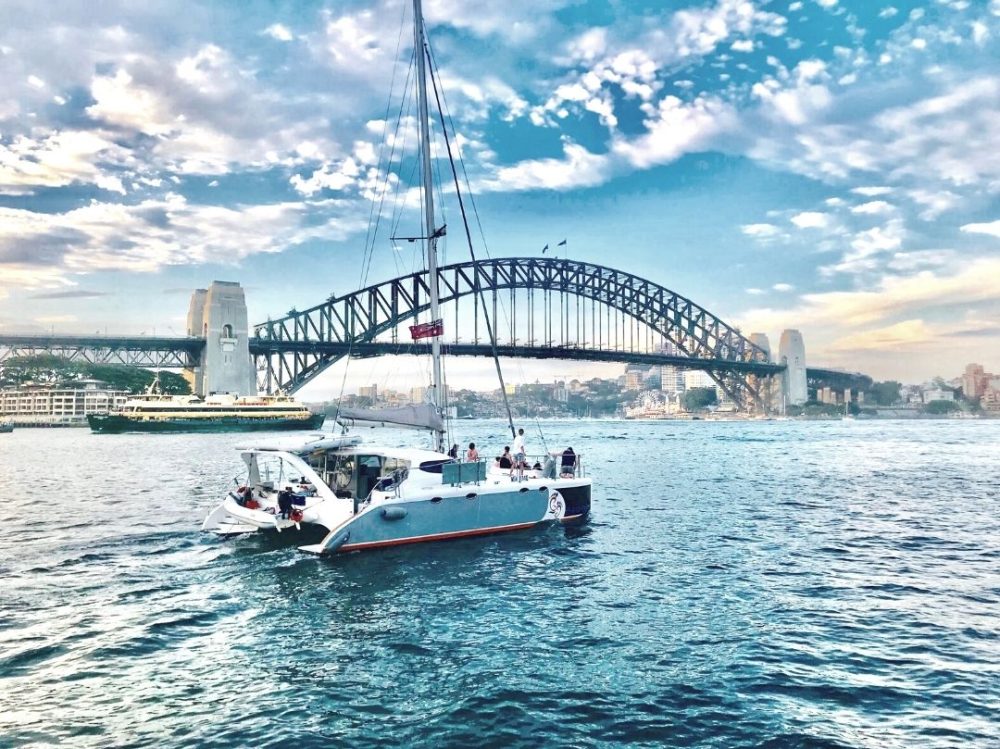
(437, 384)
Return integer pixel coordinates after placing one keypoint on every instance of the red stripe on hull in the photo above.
(435, 537)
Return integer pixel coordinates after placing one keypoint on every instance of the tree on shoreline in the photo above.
(55, 370)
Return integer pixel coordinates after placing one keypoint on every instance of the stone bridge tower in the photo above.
(219, 315)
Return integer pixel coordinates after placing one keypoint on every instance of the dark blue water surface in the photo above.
(772, 584)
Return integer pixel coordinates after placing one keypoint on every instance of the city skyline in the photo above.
(820, 165)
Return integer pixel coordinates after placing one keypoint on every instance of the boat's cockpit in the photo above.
(343, 471)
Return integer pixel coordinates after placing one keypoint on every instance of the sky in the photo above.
(826, 165)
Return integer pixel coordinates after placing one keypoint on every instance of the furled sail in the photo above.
(424, 416)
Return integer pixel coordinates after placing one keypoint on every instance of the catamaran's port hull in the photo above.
(116, 424)
(441, 519)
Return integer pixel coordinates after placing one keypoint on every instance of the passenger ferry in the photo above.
(156, 412)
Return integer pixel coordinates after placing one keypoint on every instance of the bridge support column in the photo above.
(792, 353)
(219, 315)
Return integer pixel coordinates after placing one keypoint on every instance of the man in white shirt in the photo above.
(520, 451)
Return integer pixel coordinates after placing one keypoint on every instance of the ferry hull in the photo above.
(117, 424)
(458, 517)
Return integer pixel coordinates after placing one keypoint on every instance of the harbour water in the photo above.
(778, 584)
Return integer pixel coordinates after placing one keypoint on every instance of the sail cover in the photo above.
(424, 416)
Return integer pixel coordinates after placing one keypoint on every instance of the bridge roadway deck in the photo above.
(366, 350)
(192, 346)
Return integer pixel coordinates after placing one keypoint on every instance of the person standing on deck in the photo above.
(520, 451)
(472, 456)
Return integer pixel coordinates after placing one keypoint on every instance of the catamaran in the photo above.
(367, 497)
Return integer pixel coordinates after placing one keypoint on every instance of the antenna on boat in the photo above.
(431, 231)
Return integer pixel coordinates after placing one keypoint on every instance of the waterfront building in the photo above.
(991, 401)
(697, 378)
(418, 395)
(370, 392)
(47, 405)
(937, 394)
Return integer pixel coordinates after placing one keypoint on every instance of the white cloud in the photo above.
(811, 220)
(761, 231)
(991, 228)
(742, 45)
(578, 168)
(49, 249)
(279, 31)
(871, 192)
(783, 287)
(55, 160)
(676, 128)
(873, 208)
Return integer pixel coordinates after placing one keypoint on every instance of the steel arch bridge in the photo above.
(623, 309)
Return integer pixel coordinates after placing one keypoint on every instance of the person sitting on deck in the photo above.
(453, 452)
(505, 461)
(567, 468)
(285, 502)
(472, 456)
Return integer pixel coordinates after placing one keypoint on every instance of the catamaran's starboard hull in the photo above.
(116, 424)
(440, 519)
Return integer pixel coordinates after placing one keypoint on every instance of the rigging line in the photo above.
(370, 251)
(468, 235)
(461, 161)
(385, 126)
(405, 103)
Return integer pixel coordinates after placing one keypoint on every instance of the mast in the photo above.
(437, 384)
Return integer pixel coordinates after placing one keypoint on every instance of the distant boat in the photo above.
(157, 412)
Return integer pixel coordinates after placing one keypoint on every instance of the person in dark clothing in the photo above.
(568, 463)
(453, 452)
(505, 459)
(285, 502)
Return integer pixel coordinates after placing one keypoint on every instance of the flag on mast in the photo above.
(561, 244)
(544, 249)
(431, 329)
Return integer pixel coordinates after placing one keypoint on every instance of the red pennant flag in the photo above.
(431, 329)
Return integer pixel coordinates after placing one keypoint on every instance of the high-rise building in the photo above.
(370, 392)
(975, 381)
(671, 377)
(760, 341)
(633, 377)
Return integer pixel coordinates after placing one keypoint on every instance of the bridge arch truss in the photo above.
(293, 350)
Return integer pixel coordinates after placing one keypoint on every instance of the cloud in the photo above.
(279, 32)
(873, 208)
(917, 294)
(578, 168)
(71, 294)
(760, 231)
(811, 220)
(47, 250)
(783, 287)
(55, 159)
(991, 228)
